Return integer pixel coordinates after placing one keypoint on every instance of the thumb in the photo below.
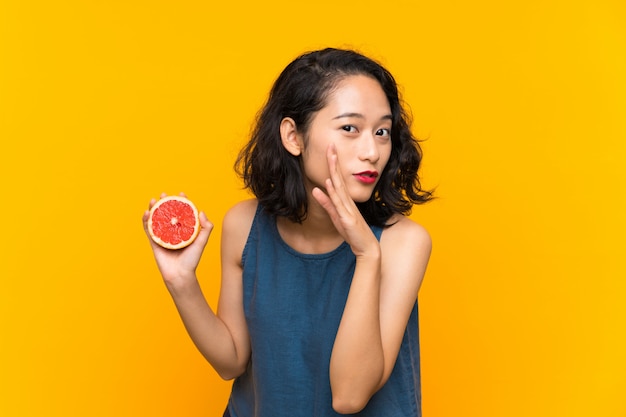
(197, 246)
(206, 227)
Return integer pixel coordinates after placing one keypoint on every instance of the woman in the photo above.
(317, 312)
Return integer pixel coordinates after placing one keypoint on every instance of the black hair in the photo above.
(275, 176)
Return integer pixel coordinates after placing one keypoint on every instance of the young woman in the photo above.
(317, 314)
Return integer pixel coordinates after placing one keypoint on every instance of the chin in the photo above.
(361, 198)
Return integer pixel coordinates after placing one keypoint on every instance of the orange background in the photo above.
(104, 105)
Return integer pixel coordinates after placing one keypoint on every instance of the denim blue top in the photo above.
(293, 304)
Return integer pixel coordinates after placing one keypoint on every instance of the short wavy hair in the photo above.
(276, 177)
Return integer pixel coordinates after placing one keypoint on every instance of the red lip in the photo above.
(367, 177)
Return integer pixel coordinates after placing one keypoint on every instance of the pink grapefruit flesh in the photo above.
(173, 222)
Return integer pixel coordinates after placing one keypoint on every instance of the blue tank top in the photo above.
(293, 304)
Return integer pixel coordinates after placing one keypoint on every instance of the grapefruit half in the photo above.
(173, 222)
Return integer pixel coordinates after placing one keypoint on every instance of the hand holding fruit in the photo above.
(178, 235)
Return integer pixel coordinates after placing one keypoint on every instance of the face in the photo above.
(357, 120)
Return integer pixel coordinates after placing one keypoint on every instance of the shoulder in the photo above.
(404, 231)
(241, 214)
(236, 227)
(405, 247)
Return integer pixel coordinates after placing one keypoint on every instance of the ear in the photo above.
(290, 137)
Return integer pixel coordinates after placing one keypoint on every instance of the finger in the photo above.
(145, 217)
(202, 239)
(333, 167)
(205, 223)
(338, 192)
(144, 220)
(333, 163)
(327, 204)
(336, 206)
(324, 201)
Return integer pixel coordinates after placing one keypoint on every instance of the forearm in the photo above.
(208, 332)
(357, 361)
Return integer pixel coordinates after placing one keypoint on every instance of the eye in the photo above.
(383, 132)
(349, 128)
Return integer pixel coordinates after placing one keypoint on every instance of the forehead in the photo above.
(358, 93)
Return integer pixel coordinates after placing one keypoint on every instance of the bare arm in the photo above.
(215, 337)
(236, 228)
(379, 304)
(384, 288)
(357, 362)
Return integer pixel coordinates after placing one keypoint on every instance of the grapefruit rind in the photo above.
(179, 242)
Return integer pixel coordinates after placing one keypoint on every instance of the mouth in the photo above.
(367, 177)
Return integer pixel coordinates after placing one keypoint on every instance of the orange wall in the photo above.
(104, 105)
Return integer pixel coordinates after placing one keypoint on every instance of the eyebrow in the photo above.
(360, 116)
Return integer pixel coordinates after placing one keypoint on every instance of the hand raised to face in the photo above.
(342, 210)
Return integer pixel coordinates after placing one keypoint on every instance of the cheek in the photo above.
(315, 165)
(385, 154)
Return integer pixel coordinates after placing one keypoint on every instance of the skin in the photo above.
(349, 135)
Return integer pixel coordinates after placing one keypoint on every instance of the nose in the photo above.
(368, 148)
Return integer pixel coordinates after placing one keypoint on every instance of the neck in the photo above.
(316, 234)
